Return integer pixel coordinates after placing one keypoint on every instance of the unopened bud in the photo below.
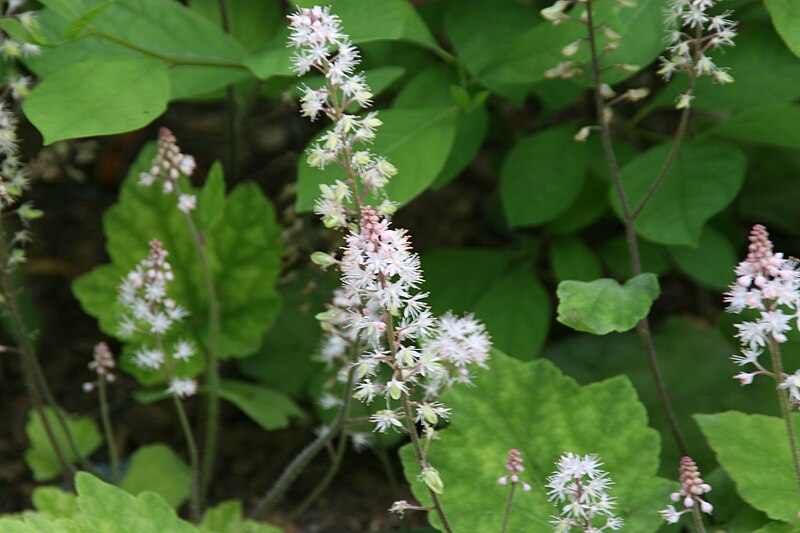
(583, 134)
(323, 259)
(571, 49)
(432, 479)
(634, 95)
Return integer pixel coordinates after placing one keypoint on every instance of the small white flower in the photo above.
(792, 383)
(385, 419)
(182, 387)
(187, 202)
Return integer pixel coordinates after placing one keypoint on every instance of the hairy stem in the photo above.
(293, 469)
(107, 429)
(333, 469)
(783, 401)
(698, 520)
(643, 328)
(194, 504)
(507, 511)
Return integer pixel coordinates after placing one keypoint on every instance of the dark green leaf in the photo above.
(496, 415)
(572, 259)
(603, 305)
(711, 262)
(772, 124)
(542, 176)
(616, 257)
(268, 408)
(252, 23)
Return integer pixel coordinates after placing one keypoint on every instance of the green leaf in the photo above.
(711, 262)
(755, 452)
(81, 23)
(603, 305)
(416, 141)
(244, 256)
(105, 96)
(590, 204)
(54, 502)
(227, 518)
(542, 176)
(572, 259)
(773, 170)
(268, 408)
(778, 527)
(614, 253)
(786, 19)
(157, 468)
(771, 124)
(506, 297)
(212, 199)
(252, 23)
(704, 179)
(533, 407)
(41, 457)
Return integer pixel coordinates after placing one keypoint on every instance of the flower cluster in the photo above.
(514, 465)
(581, 487)
(769, 285)
(167, 166)
(103, 365)
(323, 46)
(12, 49)
(692, 488)
(693, 32)
(13, 177)
(147, 310)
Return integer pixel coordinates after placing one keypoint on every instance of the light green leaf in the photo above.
(755, 452)
(244, 255)
(227, 518)
(603, 305)
(771, 124)
(704, 179)
(81, 23)
(416, 141)
(54, 502)
(41, 457)
(157, 468)
(542, 176)
(711, 262)
(211, 207)
(536, 409)
(779, 527)
(98, 97)
(786, 19)
(506, 297)
(572, 259)
(268, 408)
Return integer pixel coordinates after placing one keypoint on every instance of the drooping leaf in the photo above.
(536, 409)
(704, 179)
(105, 96)
(157, 468)
(711, 262)
(41, 458)
(542, 176)
(416, 141)
(755, 452)
(786, 19)
(241, 238)
(603, 305)
(508, 298)
(268, 408)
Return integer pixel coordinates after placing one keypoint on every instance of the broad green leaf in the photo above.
(603, 305)
(81, 23)
(227, 518)
(157, 468)
(590, 204)
(54, 502)
(786, 19)
(770, 124)
(244, 255)
(704, 179)
(773, 170)
(104, 97)
(432, 87)
(572, 259)
(779, 527)
(252, 23)
(614, 253)
(268, 408)
(711, 262)
(508, 298)
(416, 141)
(41, 457)
(681, 342)
(212, 199)
(542, 176)
(755, 452)
(766, 72)
(533, 407)
(284, 362)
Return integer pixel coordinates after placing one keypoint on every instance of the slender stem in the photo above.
(293, 469)
(107, 429)
(777, 372)
(698, 520)
(212, 364)
(507, 512)
(423, 463)
(230, 106)
(194, 503)
(341, 447)
(172, 60)
(643, 328)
